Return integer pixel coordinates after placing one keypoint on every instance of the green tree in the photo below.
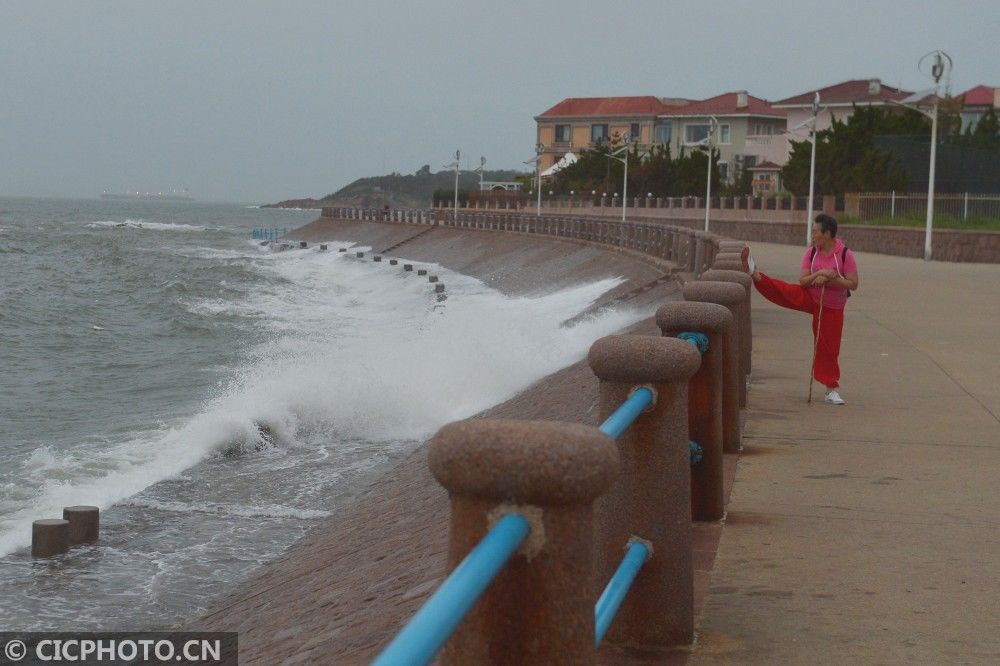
(741, 186)
(846, 157)
(987, 132)
(653, 172)
(690, 171)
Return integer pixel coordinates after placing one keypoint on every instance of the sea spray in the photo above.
(234, 396)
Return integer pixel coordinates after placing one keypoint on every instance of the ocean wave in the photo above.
(140, 223)
(357, 354)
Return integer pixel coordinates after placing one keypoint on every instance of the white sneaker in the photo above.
(834, 398)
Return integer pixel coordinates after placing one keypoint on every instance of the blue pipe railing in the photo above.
(434, 623)
(261, 233)
(699, 340)
(619, 585)
(424, 635)
(624, 416)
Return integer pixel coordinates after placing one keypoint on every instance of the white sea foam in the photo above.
(361, 352)
(235, 510)
(140, 223)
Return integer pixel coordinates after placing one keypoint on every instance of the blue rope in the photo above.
(699, 340)
(696, 452)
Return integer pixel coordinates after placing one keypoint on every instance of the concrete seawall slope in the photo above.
(338, 594)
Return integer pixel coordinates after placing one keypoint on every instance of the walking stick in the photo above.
(819, 323)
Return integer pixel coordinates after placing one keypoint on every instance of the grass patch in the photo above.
(940, 222)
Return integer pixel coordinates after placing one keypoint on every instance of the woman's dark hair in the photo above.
(827, 223)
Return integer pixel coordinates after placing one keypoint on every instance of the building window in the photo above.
(661, 133)
(634, 132)
(563, 134)
(598, 133)
(698, 133)
(695, 133)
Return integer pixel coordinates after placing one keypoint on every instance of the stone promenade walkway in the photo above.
(868, 533)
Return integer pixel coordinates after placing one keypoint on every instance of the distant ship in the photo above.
(175, 195)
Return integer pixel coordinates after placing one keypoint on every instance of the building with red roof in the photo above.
(976, 102)
(839, 101)
(578, 123)
(766, 178)
(750, 130)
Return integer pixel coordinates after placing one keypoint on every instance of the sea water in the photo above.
(216, 398)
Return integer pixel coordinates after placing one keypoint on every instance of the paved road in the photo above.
(868, 533)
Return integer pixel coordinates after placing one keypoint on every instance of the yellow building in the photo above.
(750, 130)
(577, 123)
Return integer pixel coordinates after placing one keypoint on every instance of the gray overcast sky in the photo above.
(254, 101)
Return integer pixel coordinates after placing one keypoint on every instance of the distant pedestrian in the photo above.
(829, 275)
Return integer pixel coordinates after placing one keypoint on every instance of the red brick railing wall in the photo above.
(948, 244)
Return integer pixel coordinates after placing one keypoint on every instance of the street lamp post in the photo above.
(455, 165)
(624, 160)
(930, 182)
(811, 124)
(538, 169)
(942, 63)
(713, 124)
(812, 169)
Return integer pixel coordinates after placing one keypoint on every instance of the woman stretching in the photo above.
(829, 275)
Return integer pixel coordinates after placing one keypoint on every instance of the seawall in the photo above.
(339, 594)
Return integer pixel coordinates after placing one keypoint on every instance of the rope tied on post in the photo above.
(699, 340)
(697, 453)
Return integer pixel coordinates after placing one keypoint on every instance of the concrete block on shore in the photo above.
(422, 271)
(360, 254)
(407, 267)
(49, 537)
(439, 287)
(84, 523)
(303, 244)
(432, 278)
(393, 262)
(323, 246)
(343, 249)
(378, 258)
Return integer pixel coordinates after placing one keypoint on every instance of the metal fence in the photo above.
(892, 205)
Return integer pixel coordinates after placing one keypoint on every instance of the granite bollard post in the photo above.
(729, 245)
(741, 313)
(746, 319)
(704, 398)
(726, 268)
(651, 499)
(49, 537)
(540, 607)
(733, 379)
(84, 523)
(728, 261)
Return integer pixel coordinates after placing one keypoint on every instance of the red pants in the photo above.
(796, 297)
